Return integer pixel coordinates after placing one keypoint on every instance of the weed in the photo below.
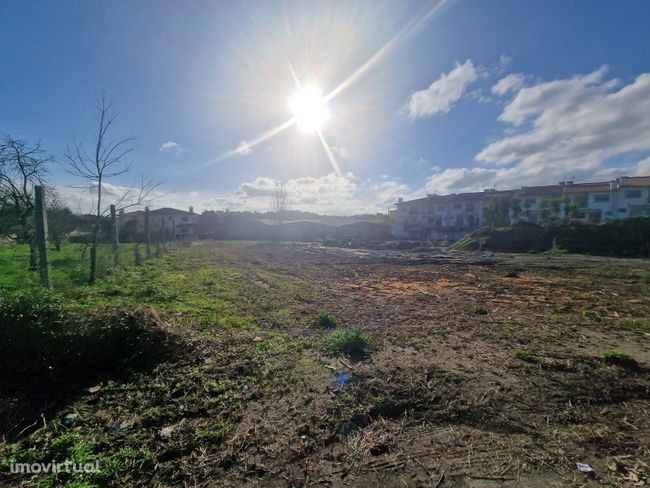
(216, 433)
(325, 321)
(480, 310)
(591, 314)
(351, 342)
(619, 359)
(526, 355)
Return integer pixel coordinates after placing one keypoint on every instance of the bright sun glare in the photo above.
(309, 109)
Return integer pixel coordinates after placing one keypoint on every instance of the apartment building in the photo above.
(449, 217)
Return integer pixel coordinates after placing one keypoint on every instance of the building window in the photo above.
(581, 201)
(640, 211)
(458, 206)
(603, 197)
(529, 202)
(470, 207)
(633, 194)
(185, 219)
(412, 210)
(441, 208)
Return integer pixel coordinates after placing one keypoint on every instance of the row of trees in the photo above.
(24, 165)
(499, 210)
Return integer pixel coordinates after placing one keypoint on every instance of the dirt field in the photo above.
(488, 372)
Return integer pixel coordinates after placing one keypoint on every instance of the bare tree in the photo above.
(22, 166)
(109, 159)
(60, 219)
(279, 201)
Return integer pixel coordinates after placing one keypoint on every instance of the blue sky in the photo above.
(464, 95)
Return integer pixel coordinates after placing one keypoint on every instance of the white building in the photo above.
(167, 221)
(449, 217)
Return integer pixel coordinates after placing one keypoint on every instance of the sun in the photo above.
(309, 108)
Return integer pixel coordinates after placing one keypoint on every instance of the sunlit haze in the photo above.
(350, 104)
(309, 108)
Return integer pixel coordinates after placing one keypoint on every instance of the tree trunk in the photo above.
(93, 248)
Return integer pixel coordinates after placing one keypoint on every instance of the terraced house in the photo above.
(450, 217)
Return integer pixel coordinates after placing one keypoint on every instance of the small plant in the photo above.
(351, 342)
(591, 314)
(480, 310)
(619, 359)
(526, 355)
(325, 321)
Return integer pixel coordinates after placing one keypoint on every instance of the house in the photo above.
(449, 217)
(163, 222)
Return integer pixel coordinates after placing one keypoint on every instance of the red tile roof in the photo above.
(543, 190)
(635, 181)
(589, 187)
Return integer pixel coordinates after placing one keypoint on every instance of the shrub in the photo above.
(351, 342)
(325, 321)
(50, 346)
(619, 359)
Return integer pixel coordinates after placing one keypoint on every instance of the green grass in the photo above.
(619, 359)
(69, 266)
(74, 447)
(480, 310)
(350, 342)
(247, 316)
(525, 355)
(325, 321)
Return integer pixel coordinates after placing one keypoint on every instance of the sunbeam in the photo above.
(330, 154)
(309, 107)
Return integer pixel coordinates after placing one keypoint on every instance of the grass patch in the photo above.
(480, 310)
(592, 315)
(350, 342)
(526, 355)
(620, 359)
(53, 348)
(325, 321)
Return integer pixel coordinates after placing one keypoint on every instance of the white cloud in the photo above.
(243, 149)
(170, 146)
(512, 82)
(443, 93)
(642, 168)
(328, 195)
(505, 60)
(568, 128)
(454, 180)
(341, 152)
(387, 192)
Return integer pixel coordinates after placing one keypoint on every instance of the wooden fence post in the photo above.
(147, 233)
(41, 236)
(114, 236)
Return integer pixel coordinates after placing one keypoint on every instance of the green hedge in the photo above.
(49, 345)
(624, 238)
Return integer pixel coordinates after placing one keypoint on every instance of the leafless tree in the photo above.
(22, 166)
(279, 200)
(109, 159)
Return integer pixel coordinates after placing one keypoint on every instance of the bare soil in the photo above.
(489, 372)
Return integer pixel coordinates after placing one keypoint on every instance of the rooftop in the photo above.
(543, 190)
